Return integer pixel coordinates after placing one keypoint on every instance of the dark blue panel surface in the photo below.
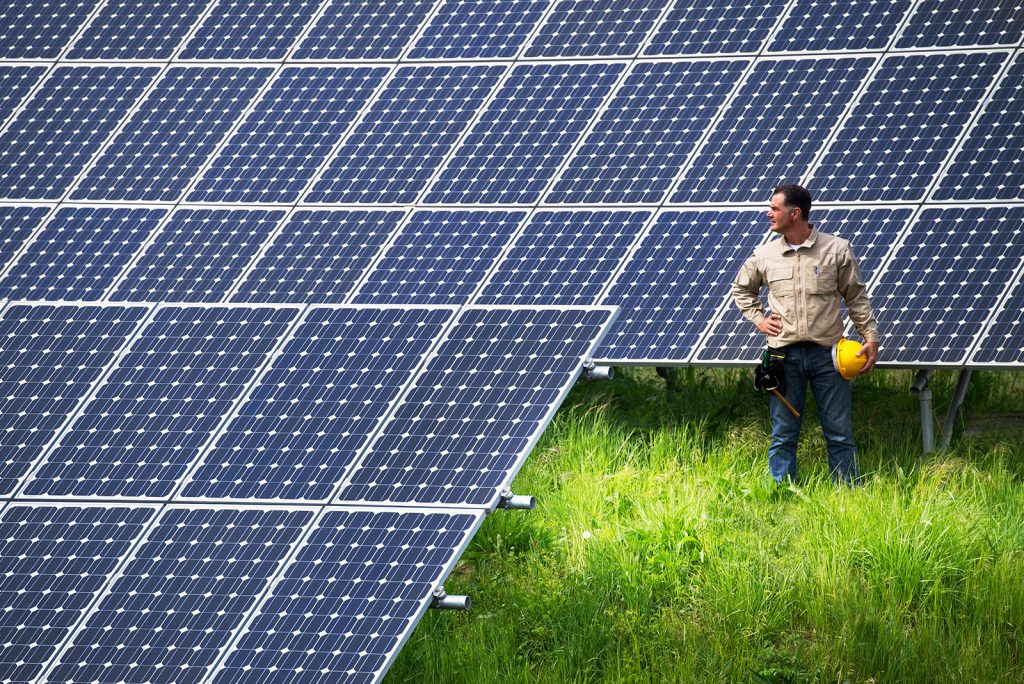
(49, 358)
(173, 609)
(16, 226)
(250, 30)
(15, 84)
(439, 257)
(595, 28)
(355, 29)
(63, 125)
(318, 256)
(478, 29)
(289, 133)
(524, 135)
(40, 29)
(159, 405)
(702, 27)
(903, 126)
(764, 138)
(963, 23)
(166, 142)
(822, 25)
(1003, 342)
(563, 258)
(345, 604)
(675, 281)
(470, 419)
(651, 125)
(129, 29)
(399, 143)
(323, 397)
(55, 561)
(990, 164)
(79, 252)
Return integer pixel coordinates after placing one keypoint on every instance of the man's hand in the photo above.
(870, 350)
(771, 325)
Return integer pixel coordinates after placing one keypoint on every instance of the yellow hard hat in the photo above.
(845, 359)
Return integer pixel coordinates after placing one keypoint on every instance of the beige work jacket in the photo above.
(804, 287)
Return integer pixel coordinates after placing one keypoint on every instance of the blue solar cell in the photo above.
(872, 231)
(702, 27)
(160, 404)
(439, 257)
(763, 139)
(347, 602)
(247, 30)
(399, 143)
(129, 29)
(322, 398)
(172, 610)
(595, 28)
(15, 84)
(903, 126)
(472, 416)
(529, 128)
(50, 356)
(55, 562)
(651, 125)
(39, 29)
(943, 282)
(63, 125)
(963, 23)
(169, 138)
(1001, 343)
(318, 257)
(16, 226)
(287, 136)
(79, 253)
(563, 258)
(818, 25)
(478, 29)
(674, 282)
(990, 165)
(356, 29)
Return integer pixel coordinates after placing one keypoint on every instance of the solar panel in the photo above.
(16, 226)
(15, 83)
(478, 29)
(941, 23)
(40, 29)
(651, 125)
(127, 29)
(1000, 344)
(601, 28)
(247, 30)
(813, 25)
(702, 27)
(356, 29)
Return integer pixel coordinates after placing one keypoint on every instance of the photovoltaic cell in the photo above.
(39, 29)
(315, 409)
(16, 226)
(651, 125)
(439, 257)
(963, 23)
(50, 356)
(79, 252)
(171, 612)
(128, 29)
(357, 29)
(702, 27)
(396, 148)
(15, 84)
(478, 29)
(245, 30)
(990, 165)
(148, 420)
(763, 139)
(347, 602)
(471, 417)
(511, 153)
(819, 25)
(904, 126)
(169, 138)
(56, 560)
(63, 125)
(1001, 344)
(942, 283)
(318, 257)
(563, 258)
(291, 130)
(601, 28)
(198, 255)
(674, 282)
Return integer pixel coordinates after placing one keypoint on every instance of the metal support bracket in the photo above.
(592, 371)
(442, 601)
(515, 502)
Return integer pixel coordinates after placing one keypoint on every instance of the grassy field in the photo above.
(658, 552)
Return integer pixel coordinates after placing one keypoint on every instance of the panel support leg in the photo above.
(954, 408)
(924, 394)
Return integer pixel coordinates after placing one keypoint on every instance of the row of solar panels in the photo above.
(946, 282)
(487, 29)
(869, 128)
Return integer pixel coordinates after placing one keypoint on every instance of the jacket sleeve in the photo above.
(745, 289)
(854, 292)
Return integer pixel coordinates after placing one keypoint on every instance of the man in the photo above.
(806, 273)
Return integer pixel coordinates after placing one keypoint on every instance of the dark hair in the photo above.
(796, 196)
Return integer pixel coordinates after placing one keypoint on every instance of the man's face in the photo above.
(780, 216)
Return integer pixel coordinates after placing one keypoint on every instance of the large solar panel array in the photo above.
(292, 288)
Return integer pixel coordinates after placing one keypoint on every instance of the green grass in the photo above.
(658, 552)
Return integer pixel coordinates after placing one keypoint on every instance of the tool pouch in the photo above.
(770, 374)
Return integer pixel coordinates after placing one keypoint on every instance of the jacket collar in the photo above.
(809, 242)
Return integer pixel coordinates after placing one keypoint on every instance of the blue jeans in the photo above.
(813, 363)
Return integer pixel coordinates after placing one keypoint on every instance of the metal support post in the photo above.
(924, 393)
(954, 408)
